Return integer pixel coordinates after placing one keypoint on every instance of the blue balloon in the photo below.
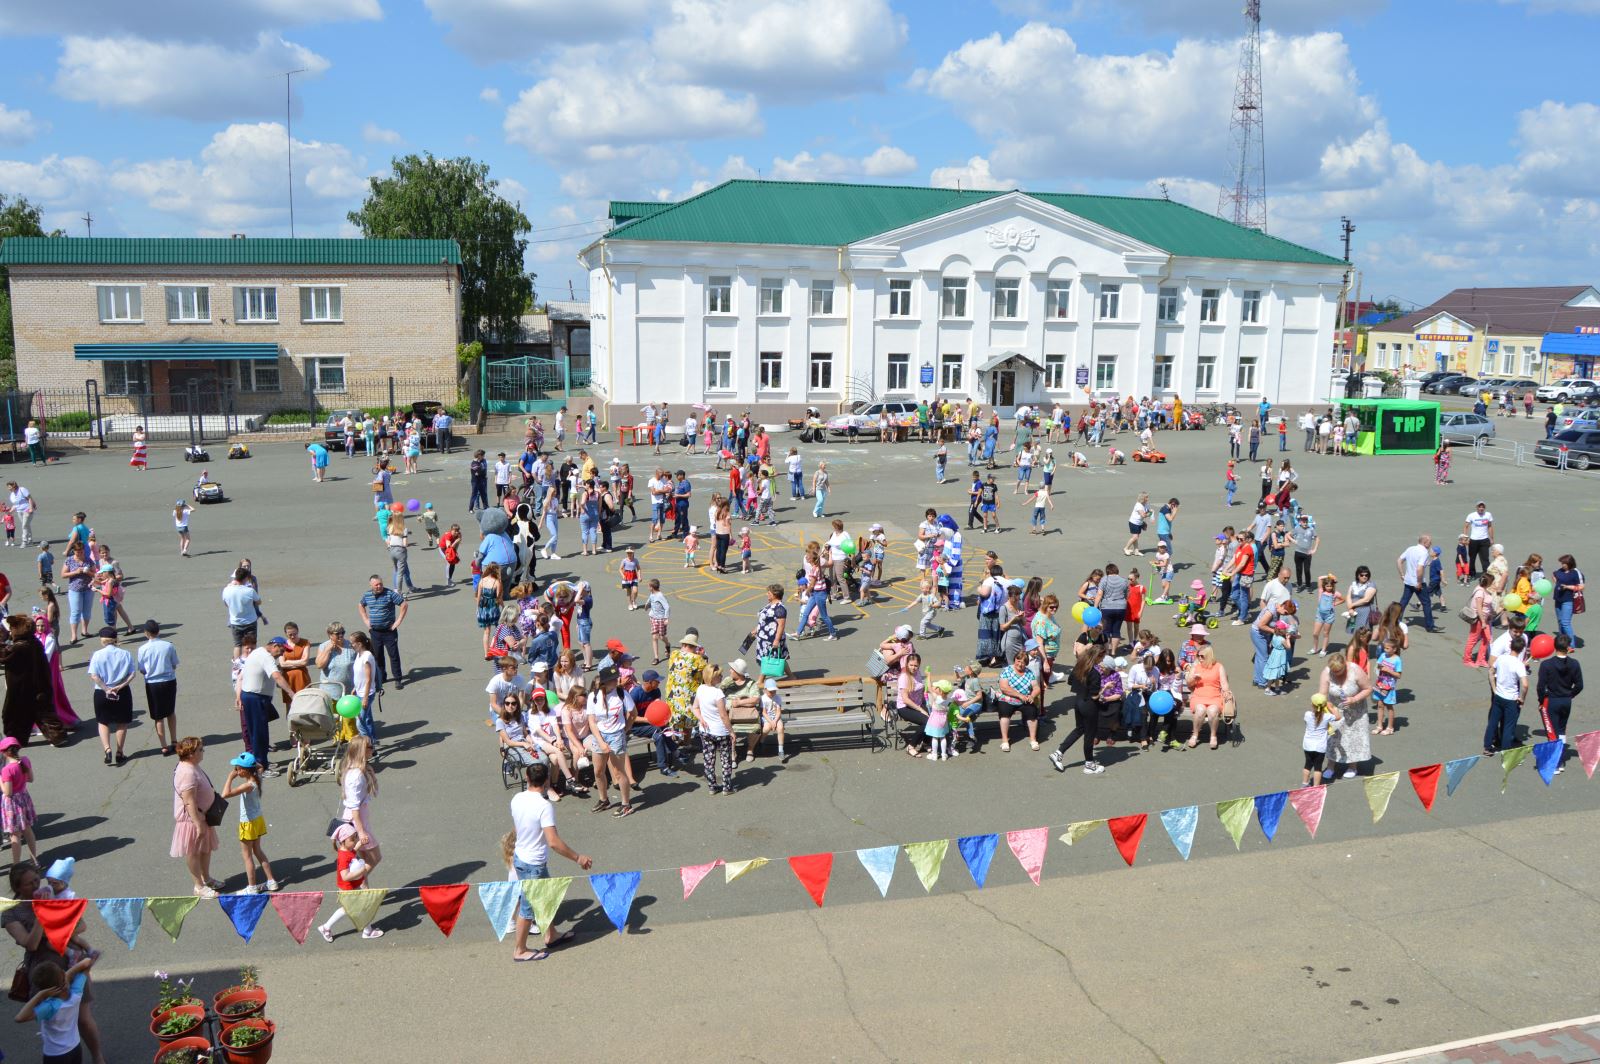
(1091, 617)
(1162, 703)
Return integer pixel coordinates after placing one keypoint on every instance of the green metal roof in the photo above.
(180, 351)
(245, 251)
(830, 215)
(628, 210)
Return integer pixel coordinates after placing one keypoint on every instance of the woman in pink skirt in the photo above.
(193, 840)
(140, 460)
(44, 631)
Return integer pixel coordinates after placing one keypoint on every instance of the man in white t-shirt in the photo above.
(1479, 529)
(253, 696)
(1413, 566)
(21, 502)
(1508, 686)
(658, 486)
(534, 819)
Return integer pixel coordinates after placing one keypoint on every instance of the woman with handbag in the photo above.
(27, 932)
(767, 637)
(197, 809)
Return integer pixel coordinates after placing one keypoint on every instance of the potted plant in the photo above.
(177, 1022)
(249, 1041)
(171, 992)
(246, 999)
(184, 1051)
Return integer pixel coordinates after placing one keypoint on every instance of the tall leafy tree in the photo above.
(18, 217)
(427, 197)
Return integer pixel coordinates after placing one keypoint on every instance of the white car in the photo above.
(865, 420)
(1568, 388)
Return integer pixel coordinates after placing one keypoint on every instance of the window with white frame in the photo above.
(127, 378)
(1527, 360)
(899, 299)
(1161, 378)
(821, 371)
(1055, 373)
(899, 379)
(322, 304)
(259, 375)
(1488, 361)
(1508, 359)
(1007, 296)
(719, 294)
(769, 371)
(950, 372)
(1205, 373)
(1110, 308)
(119, 303)
(1381, 356)
(255, 304)
(772, 295)
(1250, 307)
(326, 373)
(821, 298)
(1058, 299)
(1246, 379)
(188, 302)
(1167, 304)
(719, 371)
(1105, 372)
(1210, 305)
(953, 297)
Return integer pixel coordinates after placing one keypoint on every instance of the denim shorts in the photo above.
(658, 512)
(585, 629)
(1038, 516)
(528, 871)
(616, 742)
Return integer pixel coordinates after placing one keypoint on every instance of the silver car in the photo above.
(1465, 428)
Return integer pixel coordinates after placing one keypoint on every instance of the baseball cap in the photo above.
(9, 743)
(616, 646)
(943, 686)
(650, 676)
(1221, 538)
(771, 684)
(277, 641)
(1197, 629)
(244, 760)
(903, 632)
(541, 666)
(1319, 699)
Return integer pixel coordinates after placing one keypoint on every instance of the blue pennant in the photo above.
(1269, 807)
(1454, 771)
(499, 899)
(1180, 824)
(1547, 758)
(615, 891)
(122, 915)
(978, 852)
(245, 911)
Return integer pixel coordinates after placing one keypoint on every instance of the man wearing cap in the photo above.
(158, 662)
(637, 695)
(382, 611)
(534, 818)
(112, 670)
(1479, 530)
(607, 742)
(253, 697)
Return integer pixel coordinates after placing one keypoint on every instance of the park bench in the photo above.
(844, 705)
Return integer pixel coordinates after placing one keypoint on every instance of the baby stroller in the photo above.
(318, 733)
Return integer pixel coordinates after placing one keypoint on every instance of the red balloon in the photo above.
(1543, 645)
(658, 713)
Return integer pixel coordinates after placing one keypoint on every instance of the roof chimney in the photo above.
(237, 236)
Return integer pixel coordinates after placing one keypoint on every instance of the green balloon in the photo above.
(551, 699)
(348, 706)
(1544, 588)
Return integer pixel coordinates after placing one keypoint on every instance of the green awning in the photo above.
(180, 351)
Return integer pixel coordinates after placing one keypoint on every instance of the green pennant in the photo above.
(1235, 816)
(362, 905)
(545, 896)
(927, 858)
(1509, 760)
(170, 913)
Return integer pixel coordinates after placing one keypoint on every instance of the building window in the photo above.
(322, 304)
(119, 303)
(1488, 362)
(1527, 361)
(770, 377)
(953, 297)
(899, 299)
(1247, 373)
(127, 378)
(1007, 293)
(186, 303)
(899, 373)
(1381, 357)
(821, 371)
(1161, 379)
(1110, 302)
(719, 371)
(1058, 299)
(719, 294)
(1250, 308)
(821, 298)
(326, 373)
(251, 305)
(1055, 373)
(1167, 304)
(1105, 372)
(1210, 303)
(950, 372)
(1205, 374)
(1508, 359)
(261, 375)
(772, 295)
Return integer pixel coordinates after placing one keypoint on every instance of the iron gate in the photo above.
(525, 385)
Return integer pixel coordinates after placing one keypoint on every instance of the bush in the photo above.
(71, 421)
(289, 417)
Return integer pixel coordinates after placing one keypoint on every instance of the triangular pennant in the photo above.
(1380, 789)
(1180, 824)
(122, 915)
(1078, 830)
(693, 874)
(297, 909)
(978, 852)
(1425, 781)
(244, 911)
(1455, 771)
(879, 863)
(1308, 802)
(1126, 831)
(1269, 808)
(732, 870)
(1028, 846)
(59, 917)
(444, 903)
(171, 912)
(1509, 760)
(1588, 745)
(499, 900)
(545, 896)
(927, 858)
(813, 871)
(615, 890)
(12, 903)
(1547, 758)
(1235, 815)
(361, 906)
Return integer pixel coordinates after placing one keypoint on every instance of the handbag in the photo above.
(21, 985)
(773, 667)
(1578, 605)
(876, 665)
(749, 641)
(216, 810)
(1467, 613)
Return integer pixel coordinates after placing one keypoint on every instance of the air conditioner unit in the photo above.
(1537, 358)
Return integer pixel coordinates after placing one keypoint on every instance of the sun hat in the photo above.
(1197, 629)
(740, 666)
(1198, 585)
(689, 640)
(903, 632)
(540, 666)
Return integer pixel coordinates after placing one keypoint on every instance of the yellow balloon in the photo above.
(1512, 602)
(1077, 611)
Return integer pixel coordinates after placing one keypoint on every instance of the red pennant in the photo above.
(1425, 780)
(813, 871)
(444, 904)
(1126, 831)
(59, 917)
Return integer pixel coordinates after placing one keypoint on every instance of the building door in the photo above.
(1003, 388)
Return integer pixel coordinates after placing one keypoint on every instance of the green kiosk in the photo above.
(1394, 426)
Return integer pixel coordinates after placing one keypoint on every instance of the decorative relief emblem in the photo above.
(1010, 238)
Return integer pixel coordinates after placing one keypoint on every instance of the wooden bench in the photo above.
(836, 704)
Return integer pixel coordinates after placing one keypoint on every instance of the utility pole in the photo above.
(1244, 198)
(1341, 320)
(288, 127)
(88, 222)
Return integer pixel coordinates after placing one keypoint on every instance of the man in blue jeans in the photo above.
(259, 675)
(382, 611)
(535, 821)
(1413, 566)
(1508, 686)
(638, 696)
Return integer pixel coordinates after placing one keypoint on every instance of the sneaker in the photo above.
(1327, 773)
(272, 886)
(1005, 748)
(1093, 768)
(957, 753)
(1055, 759)
(271, 773)
(1237, 624)
(1033, 744)
(250, 888)
(1349, 774)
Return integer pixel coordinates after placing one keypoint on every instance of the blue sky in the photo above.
(1462, 136)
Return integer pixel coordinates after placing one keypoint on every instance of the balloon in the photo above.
(413, 505)
(658, 713)
(348, 706)
(1077, 611)
(551, 699)
(1542, 646)
(847, 548)
(1162, 703)
(1544, 588)
(1512, 602)
(1091, 617)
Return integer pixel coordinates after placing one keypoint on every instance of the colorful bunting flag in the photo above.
(813, 870)
(297, 909)
(616, 891)
(244, 912)
(1588, 751)
(1269, 808)
(1078, 830)
(1235, 814)
(879, 863)
(545, 896)
(1455, 771)
(1379, 789)
(1425, 781)
(361, 906)
(927, 858)
(1547, 758)
(732, 870)
(1509, 760)
(1126, 831)
(978, 852)
(499, 900)
(1180, 824)
(693, 874)
(171, 912)
(59, 917)
(443, 903)
(1028, 846)
(122, 915)
(12, 903)
(1308, 803)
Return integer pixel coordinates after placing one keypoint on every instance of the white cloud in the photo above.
(490, 95)
(236, 20)
(19, 126)
(55, 180)
(1560, 147)
(373, 133)
(590, 109)
(974, 173)
(490, 30)
(886, 161)
(199, 81)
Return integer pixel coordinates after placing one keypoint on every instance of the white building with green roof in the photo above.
(772, 296)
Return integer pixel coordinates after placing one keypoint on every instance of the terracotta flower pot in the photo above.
(258, 1053)
(236, 997)
(159, 1009)
(197, 1012)
(182, 1043)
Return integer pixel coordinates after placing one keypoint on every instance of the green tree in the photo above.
(18, 217)
(426, 197)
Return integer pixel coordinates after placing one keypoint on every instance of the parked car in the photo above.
(1484, 385)
(1583, 448)
(1567, 389)
(1433, 375)
(865, 420)
(1518, 386)
(1584, 417)
(333, 428)
(1465, 428)
(1449, 384)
